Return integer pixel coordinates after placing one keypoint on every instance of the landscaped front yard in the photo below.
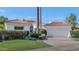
(22, 45)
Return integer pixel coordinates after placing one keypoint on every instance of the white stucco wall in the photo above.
(10, 26)
(34, 25)
(58, 31)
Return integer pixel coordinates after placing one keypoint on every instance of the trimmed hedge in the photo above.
(18, 34)
(74, 33)
(14, 34)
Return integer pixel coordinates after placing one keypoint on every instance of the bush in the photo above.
(74, 33)
(14, 34)
(43, 31)
(34, 35)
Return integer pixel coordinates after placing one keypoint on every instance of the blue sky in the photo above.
(49, 14)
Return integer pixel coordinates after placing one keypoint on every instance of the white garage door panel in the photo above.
(58, 31)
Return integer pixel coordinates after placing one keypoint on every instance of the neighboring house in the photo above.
(19, 24)
(77, 26)
(58, 29)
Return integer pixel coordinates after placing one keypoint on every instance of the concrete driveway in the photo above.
(60, 44)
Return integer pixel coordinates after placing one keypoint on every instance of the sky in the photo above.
(49, 14)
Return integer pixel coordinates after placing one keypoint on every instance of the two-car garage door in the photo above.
(58, 31)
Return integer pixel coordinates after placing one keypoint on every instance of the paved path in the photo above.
(60, 44)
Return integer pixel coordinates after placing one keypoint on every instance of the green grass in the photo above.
(22, 45)
(75, 39)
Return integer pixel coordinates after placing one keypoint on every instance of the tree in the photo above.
(71, 20)
(2, 18)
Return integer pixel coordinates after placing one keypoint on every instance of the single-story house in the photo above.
(54, 29)
(58, 29)
(19, 24)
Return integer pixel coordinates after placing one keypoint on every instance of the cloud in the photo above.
(58, 18)
(53, 18)
(47, 19)
(22, 17)
(30, 17)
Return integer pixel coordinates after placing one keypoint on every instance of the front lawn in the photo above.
(75, 39)
(22, 45)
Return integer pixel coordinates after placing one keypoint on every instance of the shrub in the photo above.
(74, 33)
(14, 34)
(43, 31)
(34, 35)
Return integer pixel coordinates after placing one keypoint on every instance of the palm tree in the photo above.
(2, 21)
(72, 20)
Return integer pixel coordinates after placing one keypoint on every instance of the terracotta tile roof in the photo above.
(21, 21)
(56, 24)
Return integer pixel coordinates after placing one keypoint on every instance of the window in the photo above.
(18, 27)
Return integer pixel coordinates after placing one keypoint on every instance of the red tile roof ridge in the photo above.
(56, 24)
(21, 21)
